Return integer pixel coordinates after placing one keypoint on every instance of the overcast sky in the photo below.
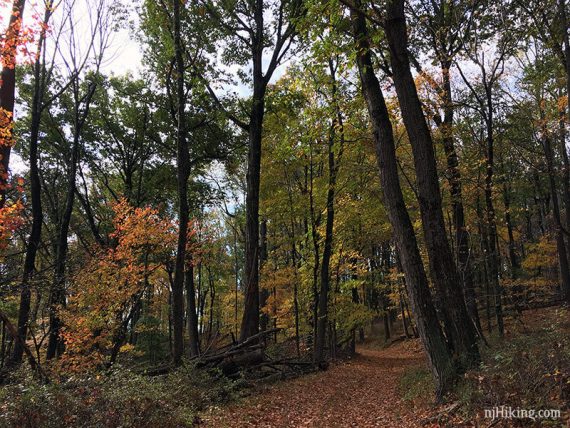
(123, 56)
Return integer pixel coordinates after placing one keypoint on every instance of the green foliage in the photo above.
(416, 383)
(120, 398)
(151, 341)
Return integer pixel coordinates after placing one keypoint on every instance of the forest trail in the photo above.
(360, 392)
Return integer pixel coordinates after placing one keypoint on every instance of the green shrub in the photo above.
(120, 398)
(416, 382)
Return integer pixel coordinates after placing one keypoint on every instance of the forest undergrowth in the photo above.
(378, 387)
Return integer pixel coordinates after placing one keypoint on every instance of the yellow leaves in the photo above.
(10, 220)
(540, 255)
(127, 347)
(562, 103)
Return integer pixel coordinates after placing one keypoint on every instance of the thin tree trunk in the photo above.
(454, 179)
(333, 164)
(491, 245)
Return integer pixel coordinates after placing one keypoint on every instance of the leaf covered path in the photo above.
(361, 392)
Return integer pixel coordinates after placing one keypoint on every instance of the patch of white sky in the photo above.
(123, 56)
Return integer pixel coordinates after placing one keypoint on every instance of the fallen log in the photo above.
(236, 363)
(212, 359)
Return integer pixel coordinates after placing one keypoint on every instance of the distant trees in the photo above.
(439, 355)
(249, 33)
(388, 176)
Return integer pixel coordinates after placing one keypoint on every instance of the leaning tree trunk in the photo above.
(457, 323)
(433, 340)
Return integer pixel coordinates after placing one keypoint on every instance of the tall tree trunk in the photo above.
(336, 125)
(7, 92)
(250, 320)
(57, 293)
(457, 323)
(183, 172)
(37, 212)
(322, 311)
(433, 340)
(491, 244)
(454, 179)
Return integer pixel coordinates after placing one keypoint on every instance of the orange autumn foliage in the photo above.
(108, 287)
(10, 220)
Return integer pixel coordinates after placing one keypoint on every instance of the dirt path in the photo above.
(362, 392)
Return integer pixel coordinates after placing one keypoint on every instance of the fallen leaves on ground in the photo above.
(361, 392)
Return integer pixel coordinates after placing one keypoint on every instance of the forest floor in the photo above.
(361, 392)
(390, 387)
(386, 386)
